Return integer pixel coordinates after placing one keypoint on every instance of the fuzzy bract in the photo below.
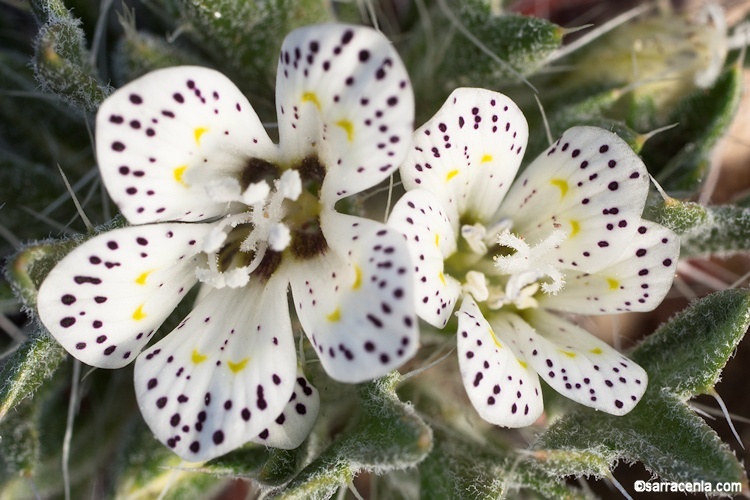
(212, 200)
(520, 252)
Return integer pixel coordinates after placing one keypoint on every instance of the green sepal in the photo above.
(679, 216)
(47, 10)
(683, 358)
(715, 230)
(63, 67)
(680, 157)
(27, 269)
(139, 52)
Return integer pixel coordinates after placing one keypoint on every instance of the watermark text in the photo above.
(687, 487)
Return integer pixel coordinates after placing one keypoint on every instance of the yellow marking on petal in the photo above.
(357, 278)
(238, 366)
(450, 175)
(442, 278)
(575, 228)
(141, 280)
(522, 363)
(178, 173)
(613, 284)
(311, 97)
(198, 133)
(486, 158)
(596, 350)
(562, 184)
(348, 127)
(494, 339)
(138, 314)
(334, 316)
(437, 240)
(198, 358)
(569, 354)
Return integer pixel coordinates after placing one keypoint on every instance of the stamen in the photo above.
(290, 185)
(238, 277)
(214, 239)
(475, 237)
(279, 237)
(265, 230)
(526, 298)
(476, 285)
(496, 298)
(255, 193)
(267, 220)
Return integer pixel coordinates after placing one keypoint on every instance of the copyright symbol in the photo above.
(640, 485)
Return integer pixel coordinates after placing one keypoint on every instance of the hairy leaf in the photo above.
(684, 358)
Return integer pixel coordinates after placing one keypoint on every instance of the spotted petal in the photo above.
(343, 94)
(430, 239)
(163, 137)
(106, 298)
(638, 281)
(578, 365)
(293, 425)
(223, 375)
(468, 153)
(499, 383)
(355, 301)
(590, 185)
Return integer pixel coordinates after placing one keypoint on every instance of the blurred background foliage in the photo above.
(632, 67)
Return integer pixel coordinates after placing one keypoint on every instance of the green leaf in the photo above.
(62, 65)
(686, 355)
(388, 436)
(683, 358)
(19, 445)
(27, 369)
(522, 42)
(107, 404)
(244, 462)
(244, 38)
(146, 468)
(680, 157)
(460, 467)
(25, 184)
(26, 141)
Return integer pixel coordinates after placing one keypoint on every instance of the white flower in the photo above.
(213, 199)
(566, 236)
